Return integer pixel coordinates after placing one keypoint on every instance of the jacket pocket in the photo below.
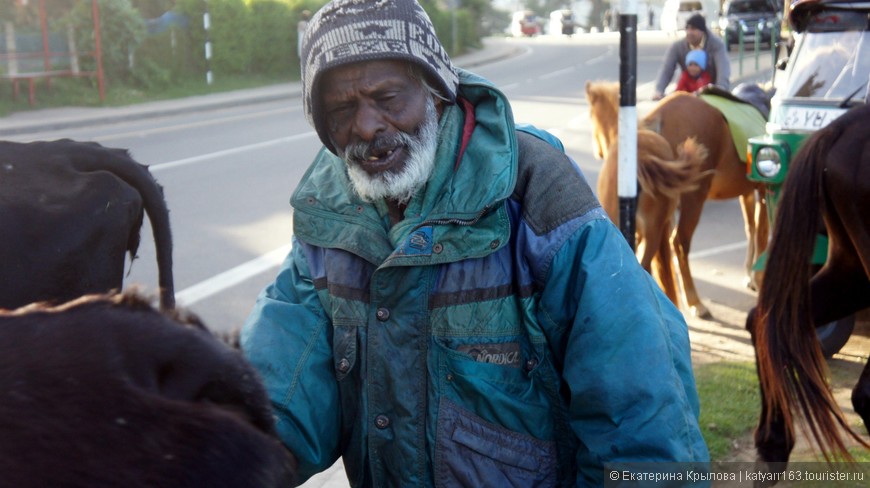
(472, 452)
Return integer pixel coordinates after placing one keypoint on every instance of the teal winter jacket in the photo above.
(502, 334)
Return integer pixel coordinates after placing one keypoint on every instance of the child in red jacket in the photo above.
(694, 77)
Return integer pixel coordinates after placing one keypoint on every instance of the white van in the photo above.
(675, 13)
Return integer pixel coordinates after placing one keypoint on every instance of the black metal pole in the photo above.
(627, 174)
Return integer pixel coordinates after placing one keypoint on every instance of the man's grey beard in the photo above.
(402, 186)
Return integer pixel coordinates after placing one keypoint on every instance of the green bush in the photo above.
(273, 39)
(171, 51)
(466, 29)
(229, 33)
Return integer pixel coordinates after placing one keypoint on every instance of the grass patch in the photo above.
(730, 404)
(83, 92)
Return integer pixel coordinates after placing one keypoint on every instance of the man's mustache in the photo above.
(362, 151)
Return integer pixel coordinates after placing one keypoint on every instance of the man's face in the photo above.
(694, 35)
(383, 122)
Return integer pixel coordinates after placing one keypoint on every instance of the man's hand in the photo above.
(657, 96)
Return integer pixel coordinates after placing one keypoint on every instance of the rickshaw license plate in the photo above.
(806, 118)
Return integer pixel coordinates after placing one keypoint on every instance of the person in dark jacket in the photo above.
(456, 308)
(697, 37)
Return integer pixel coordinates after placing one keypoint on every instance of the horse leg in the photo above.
(663, 266)
(749, 204)
(644, 232)
(644, 251)
(654, 222)
(762, 236)
(861, 396)
(681, 241)
(841, 288)
(771, 442)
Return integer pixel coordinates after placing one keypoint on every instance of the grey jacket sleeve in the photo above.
(719, 54)
(666, 73)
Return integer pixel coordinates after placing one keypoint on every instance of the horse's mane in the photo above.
(603, 98)
(604, 91)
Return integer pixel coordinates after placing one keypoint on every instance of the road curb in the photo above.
(124, 114)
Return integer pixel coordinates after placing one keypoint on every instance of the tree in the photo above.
(122, 30)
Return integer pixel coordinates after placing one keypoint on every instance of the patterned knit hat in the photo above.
(349, 31)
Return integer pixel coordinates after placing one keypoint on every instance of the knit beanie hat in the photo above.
(349, 31)
(697, 56)
(697, 21)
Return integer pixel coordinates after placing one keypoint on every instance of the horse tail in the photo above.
(791, 367)
(660, 175)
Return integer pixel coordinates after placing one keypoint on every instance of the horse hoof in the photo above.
(701, 312)
(750, 283)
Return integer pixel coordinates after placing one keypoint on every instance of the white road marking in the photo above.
(734, 246)
(556, 73)
(232, 277)
(226, 152)
(200, 123)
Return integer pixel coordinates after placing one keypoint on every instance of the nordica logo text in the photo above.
(507, 354)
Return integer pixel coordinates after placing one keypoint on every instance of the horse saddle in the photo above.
(744, 119)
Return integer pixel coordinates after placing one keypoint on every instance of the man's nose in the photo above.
(368, 122)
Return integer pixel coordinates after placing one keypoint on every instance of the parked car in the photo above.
(525, 24)
(826, 73)
(751, 18)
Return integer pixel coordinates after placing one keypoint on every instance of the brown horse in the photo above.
(676, 118)
(828, 182)
(662, 178)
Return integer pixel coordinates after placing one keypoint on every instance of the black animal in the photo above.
(105, 391)
(69, 211)
(829, 181)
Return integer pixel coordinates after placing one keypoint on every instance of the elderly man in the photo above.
(697, 37)
(456, 310)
